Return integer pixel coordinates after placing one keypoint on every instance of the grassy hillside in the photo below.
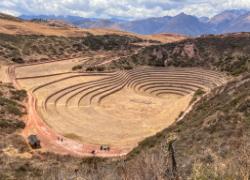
(31, 48)
(229, 53)
(11, 111)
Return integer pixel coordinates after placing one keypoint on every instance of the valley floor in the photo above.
(118, 109)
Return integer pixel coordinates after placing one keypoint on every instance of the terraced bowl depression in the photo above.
(118, 109)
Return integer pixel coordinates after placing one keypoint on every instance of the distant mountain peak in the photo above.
(227, 21)
(227, 15)
(182, 15)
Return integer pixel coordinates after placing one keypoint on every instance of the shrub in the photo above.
(100, 68)
(95, 68)
(11, 107)
(18, 60)
(77, 67)
(4, 101)
(6, 123)
(19, 95)
(128, 67)
(14, 110)
(90, 68)
(199, 92)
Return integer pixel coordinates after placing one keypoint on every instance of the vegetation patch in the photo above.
(34, 48)
(77, 67)
(19, 95)
(11, 107)
(95, 68)
(10, 126)
(110, 42)
(229, 53)
(198, 93)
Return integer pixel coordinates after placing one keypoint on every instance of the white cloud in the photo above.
(121, 8)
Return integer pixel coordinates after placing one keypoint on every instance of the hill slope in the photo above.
(38, 40)
(185, 24)
(222, 21)
(241, 24)
(228, 53)
(35, 48)
(59, 26)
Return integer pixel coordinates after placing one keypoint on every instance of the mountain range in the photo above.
(225, 22)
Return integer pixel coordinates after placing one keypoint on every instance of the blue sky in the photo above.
(132, 9)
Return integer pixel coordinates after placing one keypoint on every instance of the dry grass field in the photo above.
(120, 108)
(56, 67)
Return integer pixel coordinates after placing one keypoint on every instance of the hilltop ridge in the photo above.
(57, 27)
(190, 25)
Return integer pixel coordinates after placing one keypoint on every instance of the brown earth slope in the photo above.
(229, 53)
(35, 41)
(34, 48)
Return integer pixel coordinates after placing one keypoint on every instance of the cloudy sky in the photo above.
(132, 9)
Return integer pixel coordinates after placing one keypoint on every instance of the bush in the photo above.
(6, 123)
(128, 67)
(4, 101)
(77, 67)
(14, 110)
(90, 68)
(95, 68)
(199, 92)
(19, 95)
(10, 106)
(100, 68)
(18, 60)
